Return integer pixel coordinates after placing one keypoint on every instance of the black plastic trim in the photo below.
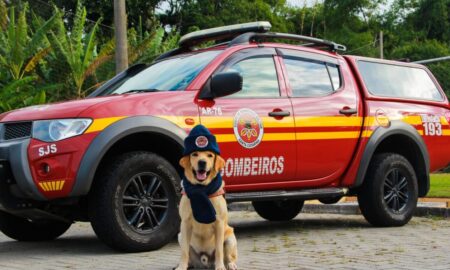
(304, 194)
(397, 127)
(312, 42)
(307, 56)
(108, 137)
(16, 153)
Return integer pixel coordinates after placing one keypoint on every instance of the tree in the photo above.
(19, 51)
(432, 17)
(22, 49)
(77, 48)
(202, 14)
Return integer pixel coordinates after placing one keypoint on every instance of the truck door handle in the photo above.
(347, 111)
(279, 113)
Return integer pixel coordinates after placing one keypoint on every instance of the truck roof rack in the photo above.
(310, 41)
(223, 32)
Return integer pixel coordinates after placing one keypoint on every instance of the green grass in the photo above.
(440, 186)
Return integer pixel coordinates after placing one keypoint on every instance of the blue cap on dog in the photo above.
(200, 139)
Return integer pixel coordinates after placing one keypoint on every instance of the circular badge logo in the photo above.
(201, 141)
(248, 128)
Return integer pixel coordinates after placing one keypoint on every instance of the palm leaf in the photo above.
(14, 85)
(21, 41)
(60, 48)
(40, 98)
(89, 48)
(98, 61)
(138, 50)
(31, 64)
(11, 28)
(3, 16)
(76, 35)
(40, 35)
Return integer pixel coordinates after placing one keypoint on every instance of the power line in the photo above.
(367, 45)
(69, 12)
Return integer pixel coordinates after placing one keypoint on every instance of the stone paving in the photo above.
(311, 241)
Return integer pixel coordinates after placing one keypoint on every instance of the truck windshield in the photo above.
(173, 74)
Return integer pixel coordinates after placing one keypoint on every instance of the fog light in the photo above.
(45, 168)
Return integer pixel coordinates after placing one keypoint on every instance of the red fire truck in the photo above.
(294, 122)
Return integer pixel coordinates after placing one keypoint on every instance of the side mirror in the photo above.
(222, 84)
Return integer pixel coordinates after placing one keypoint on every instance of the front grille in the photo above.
(17, 130)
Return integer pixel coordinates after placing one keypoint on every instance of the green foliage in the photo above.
(76, 47)
(20, 51)
(439, 185)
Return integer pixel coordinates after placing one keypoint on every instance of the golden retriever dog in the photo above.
(203, 245)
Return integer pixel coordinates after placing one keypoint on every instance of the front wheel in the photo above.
(22, 229)
(133, 205)
(389, 194)
(281, 210)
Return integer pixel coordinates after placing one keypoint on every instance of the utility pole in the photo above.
(120, 27)
(381, 45)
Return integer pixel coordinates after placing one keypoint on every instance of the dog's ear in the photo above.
(185, 162)
(220, 163)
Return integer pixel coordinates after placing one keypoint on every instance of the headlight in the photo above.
(59, 129)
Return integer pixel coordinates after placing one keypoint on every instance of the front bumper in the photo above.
(15, 175)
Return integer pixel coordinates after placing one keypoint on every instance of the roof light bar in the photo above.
(223, 32)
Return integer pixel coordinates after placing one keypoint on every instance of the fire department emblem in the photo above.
(201, 141)
(248, 128)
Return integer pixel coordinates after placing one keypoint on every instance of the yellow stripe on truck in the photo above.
(102, 123)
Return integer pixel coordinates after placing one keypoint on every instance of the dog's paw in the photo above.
(220, 267)
(179, 267)
(232, 266)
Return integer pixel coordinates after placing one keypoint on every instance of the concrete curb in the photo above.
(346, 209)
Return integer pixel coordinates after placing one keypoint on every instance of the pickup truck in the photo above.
(294, 122)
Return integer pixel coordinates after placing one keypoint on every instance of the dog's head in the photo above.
(201, 167)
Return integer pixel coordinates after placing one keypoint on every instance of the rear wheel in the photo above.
(389, 194)
(281, 210)
(25, 230)
(133, 206)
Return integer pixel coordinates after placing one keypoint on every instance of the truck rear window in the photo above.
(389, 80)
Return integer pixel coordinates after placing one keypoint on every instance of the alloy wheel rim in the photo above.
(144, 202)
(396, 193)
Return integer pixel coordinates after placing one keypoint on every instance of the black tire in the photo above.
(389, 194)
(133, 205)
(282, 210)
(22, 229)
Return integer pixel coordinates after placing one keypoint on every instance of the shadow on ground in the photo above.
(84, 242)
(303, 223)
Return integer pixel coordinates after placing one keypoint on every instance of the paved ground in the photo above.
(311, 241)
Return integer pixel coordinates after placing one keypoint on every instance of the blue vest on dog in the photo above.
(202, 208)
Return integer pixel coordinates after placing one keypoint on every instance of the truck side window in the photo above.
(388, 80)
(259, 77)
(309, 78)
(335, 76)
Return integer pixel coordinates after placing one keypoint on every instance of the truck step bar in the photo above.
(304, 194)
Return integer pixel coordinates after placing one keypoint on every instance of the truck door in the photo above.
(254, 127)
(328, 115)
